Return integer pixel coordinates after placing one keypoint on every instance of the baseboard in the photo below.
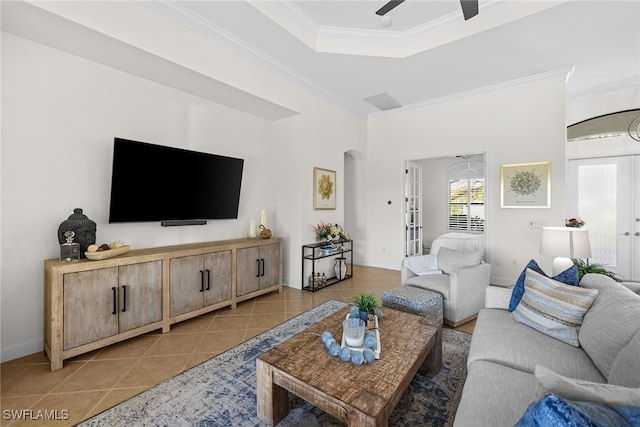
(22, 350)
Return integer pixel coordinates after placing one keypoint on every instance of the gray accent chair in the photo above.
(461, 277)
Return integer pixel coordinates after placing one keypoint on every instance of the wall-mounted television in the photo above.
(175, 186)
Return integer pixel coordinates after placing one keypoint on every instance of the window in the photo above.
(466, 197)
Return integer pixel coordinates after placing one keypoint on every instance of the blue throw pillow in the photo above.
(552, 410)
(568, 277)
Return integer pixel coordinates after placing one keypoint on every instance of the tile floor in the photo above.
(93, 382)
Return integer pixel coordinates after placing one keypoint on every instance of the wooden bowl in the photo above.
(96, 256)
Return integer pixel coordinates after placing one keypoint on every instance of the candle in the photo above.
(252, 228)
(263, 218)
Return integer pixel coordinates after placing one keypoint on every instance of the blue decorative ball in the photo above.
(370, 342)
(329, 342)
(334, 348)
(379, 314)
(354, 312)
(345, 354)
(369, 355)
(368, 333)
(357, 358)
(325, 336)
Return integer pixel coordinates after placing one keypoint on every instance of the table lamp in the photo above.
(564, 243)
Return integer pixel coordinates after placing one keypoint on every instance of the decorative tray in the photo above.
(376, 331)
(97, 256)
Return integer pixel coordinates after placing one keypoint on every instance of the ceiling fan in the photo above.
(469, 8)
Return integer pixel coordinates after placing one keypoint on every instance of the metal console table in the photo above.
(315, 251)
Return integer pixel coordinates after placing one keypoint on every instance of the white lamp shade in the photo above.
(567, 242)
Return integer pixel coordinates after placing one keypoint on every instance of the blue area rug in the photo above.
(221, 391)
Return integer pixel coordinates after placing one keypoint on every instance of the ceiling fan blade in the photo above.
(469, 8)
(388, 7)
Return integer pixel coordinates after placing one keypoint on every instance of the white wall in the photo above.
(515, 124)
(60, 114)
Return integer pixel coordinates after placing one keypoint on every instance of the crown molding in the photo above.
(395, 44)
(437, 102)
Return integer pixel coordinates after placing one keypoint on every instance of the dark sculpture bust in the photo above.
(82, 226)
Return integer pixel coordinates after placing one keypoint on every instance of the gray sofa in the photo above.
(504, 353)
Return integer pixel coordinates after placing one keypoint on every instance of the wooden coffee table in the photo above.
(362, 395)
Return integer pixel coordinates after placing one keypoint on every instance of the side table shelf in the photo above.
(313, 252)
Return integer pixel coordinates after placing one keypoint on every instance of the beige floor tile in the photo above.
(230, 323)
(134, 347)
(38, 379)
(213, 342)
(169, 344)
(268, 307)
(96, 375)
(245, 307)
(267, 320)
(149, 371)
(197, 324)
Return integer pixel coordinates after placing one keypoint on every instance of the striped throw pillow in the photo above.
(553, 308)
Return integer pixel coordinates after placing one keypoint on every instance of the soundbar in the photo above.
(180, 222)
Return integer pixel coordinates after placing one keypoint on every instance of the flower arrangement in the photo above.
(330, 232)
(574, 222)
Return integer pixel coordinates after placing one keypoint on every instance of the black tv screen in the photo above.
(152, 182)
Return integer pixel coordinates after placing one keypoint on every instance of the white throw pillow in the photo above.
(422, 264)
(450, 260)
(586, 391)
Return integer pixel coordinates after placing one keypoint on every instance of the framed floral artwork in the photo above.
(525, 185)
(324, 189)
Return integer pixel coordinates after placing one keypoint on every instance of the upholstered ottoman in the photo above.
(423, 303)
(415, 300)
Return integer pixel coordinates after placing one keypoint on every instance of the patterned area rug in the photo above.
(221, 391)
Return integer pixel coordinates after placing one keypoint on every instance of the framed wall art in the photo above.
(324, 189)
(525, 185)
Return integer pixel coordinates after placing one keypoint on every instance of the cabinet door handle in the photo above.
(258, 266)
(262, 262)
(201, 281)
(124, 298)
(113, 289)
(208, 279)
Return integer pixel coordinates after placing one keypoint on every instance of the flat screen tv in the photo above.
(152, 182)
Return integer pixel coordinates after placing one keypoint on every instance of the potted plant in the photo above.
(586, 268)
(367, 304)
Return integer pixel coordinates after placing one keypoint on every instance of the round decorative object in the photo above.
(340, 268)
(265, 233)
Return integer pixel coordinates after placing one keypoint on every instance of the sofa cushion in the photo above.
(553, 308)
(569, 277)
(433, 282)
(494, 395)
(611, 322)
(553, 410)
(450, 260)
(624, 370)
(573, 389)
(498, 338)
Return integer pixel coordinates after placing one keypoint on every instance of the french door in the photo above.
(606, 194)
(413, 209)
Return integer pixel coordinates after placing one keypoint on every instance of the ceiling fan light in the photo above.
(385, 21)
